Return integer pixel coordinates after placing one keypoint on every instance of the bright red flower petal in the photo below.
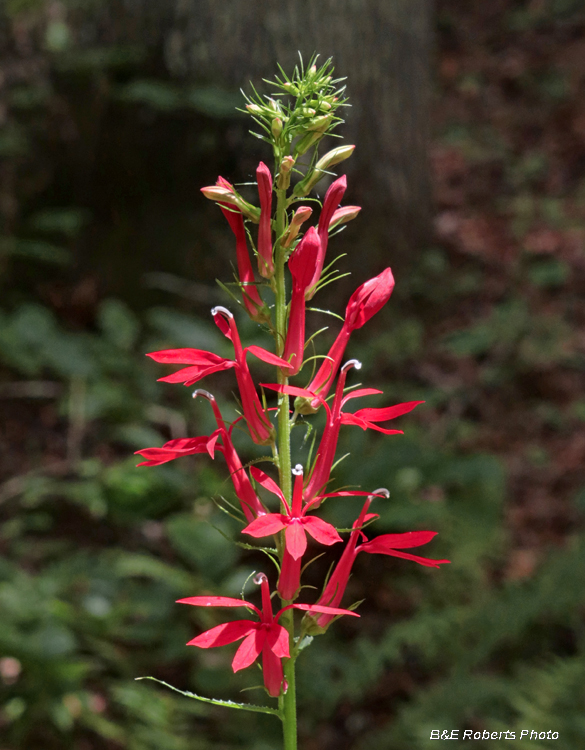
(249, 649)
(296, 539)
(271, 523)
(221, 635)
(320, 530)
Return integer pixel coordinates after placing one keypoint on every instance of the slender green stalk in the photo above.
(288, 700)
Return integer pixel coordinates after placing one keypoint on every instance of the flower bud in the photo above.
(222, 194)
(343, 215)
(276, 127)
(310, 139)
(286, 165)
(254, 109)
(300, 216)
(319, 122)
(335, 156)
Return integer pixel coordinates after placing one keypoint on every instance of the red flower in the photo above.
(295, 521)
(265, 263)
(252, 300)
(332, 199)
(202, 363)
(249, 500)
(266, 637)
(387, 544)
(364, 418)
(302, 266)
(363, 304)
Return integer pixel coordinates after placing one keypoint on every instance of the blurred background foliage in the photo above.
(108, 251)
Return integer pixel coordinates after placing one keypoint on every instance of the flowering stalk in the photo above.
(291, 130)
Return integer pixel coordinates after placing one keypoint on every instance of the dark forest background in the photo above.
(469, 120)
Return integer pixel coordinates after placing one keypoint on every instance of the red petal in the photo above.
(216, 601)
(266, 482)
(296, 540)
(271, 359)
(399, 541)
(278, 640)
(190, 375)
(320, 530)
(250, 649)
(271, 523)
(223, 325)
(347, 493)
(359, 392)
(405, 556)
(272, 672)
(388, 412)
(186, 357)
(221, 635)
(211, 444)
(320, 608)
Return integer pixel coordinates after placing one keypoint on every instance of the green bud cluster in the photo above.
(300, 111)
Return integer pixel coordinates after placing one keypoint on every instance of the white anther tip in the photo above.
(298, 470)
(352, 363)
(223, 310)
(206, 394)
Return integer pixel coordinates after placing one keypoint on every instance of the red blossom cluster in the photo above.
(296, 517)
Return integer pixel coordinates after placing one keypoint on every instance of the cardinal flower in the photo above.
(364, 418)
(387, 544)
(296, 523)
(251, 297)
(265, 263)
(202, 363)
(332, 199)
(363, 304)
(302, 266)
(266, 637)
(249, 500)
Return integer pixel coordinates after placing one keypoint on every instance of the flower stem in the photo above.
(288, 699)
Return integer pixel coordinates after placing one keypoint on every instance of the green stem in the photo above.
(288, 699)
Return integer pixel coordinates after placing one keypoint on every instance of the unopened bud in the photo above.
(222, 194)
(343, 215)
(319, 123)
(325, 105)
(290, 88)
(310, 139)
(254, 109)
(335, 156)
(283, 180)
(300, 216)
(331, 158)
(308, 111)
(276, 127)
(312, 70)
